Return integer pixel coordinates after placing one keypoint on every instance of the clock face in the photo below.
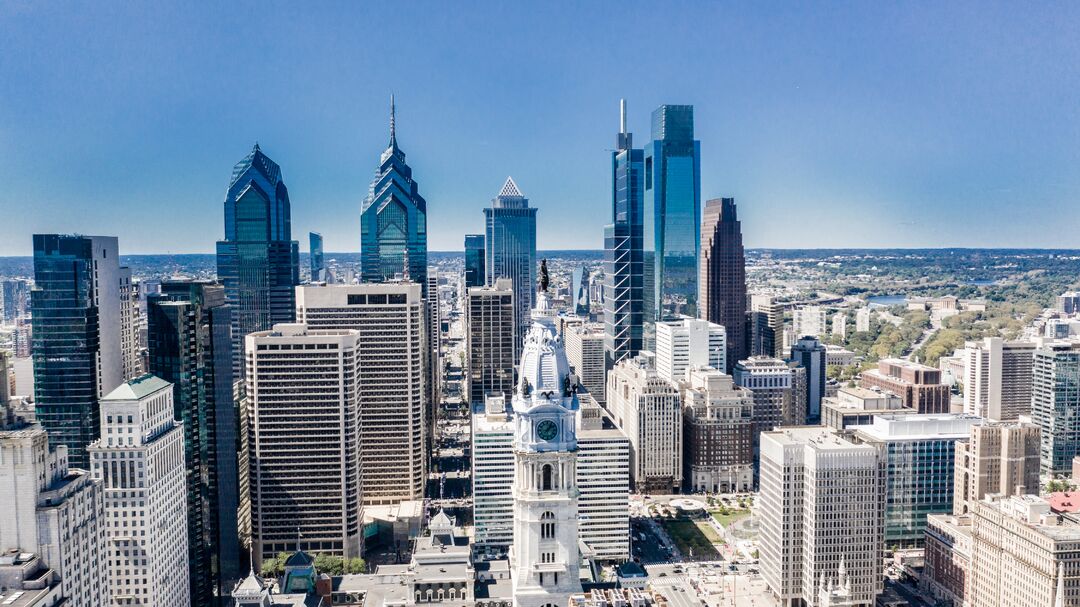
(547, 430)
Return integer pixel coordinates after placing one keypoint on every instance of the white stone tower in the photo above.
(544, 558)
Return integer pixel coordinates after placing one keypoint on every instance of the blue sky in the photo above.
(833, 124)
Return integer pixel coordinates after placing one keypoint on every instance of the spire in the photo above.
(1059, 598)
(393, 126)
(622, 116)
(841, 573)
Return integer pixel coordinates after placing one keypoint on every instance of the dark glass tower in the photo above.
(393, 221)
(624, 270)
(75, 310)
(318, 265)
(258, 262)
(511, 251)
(722, 284)
(579, 291)
(672, 214)
(189, 345)
(474, 260)
(810, 354)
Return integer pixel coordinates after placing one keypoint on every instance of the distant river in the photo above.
(887, 300)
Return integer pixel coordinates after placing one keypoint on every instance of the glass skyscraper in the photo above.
(258, 262)
(315, 249)
(75, 307)
(474, 260)
(511, 251)
(393, 221)
(189, 345)
(624, 270)
(672, 214)
(579, 291)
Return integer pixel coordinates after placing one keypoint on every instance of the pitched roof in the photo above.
(510, 189)
(138, 388)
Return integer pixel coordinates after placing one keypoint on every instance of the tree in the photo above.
(274, 567)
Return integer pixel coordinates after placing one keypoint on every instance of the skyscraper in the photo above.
(648, 409)
(190, 346)
(258, 262)
(688, 342)
(474, 261)
(624, 270)
(511, 251)
(489, 341)
(585, 352)
(315, 250)
(722, 276)
(77, 348)
(997, 378)
(766, 327)
(672, 217)
(1055, 404)
(810, 354)
(393, 220)
(579, 291)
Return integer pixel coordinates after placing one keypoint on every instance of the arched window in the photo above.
(546, 476)
(547, 526)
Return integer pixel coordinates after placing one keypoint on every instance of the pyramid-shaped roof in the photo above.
(511, 189)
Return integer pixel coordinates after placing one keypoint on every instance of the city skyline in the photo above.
(965, 129)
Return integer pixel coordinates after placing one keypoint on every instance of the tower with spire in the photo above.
(393, 219)
(510, 238)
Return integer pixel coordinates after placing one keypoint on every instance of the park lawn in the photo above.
(730, 517)
(693, 535)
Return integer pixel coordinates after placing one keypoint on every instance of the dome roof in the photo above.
(543, 361)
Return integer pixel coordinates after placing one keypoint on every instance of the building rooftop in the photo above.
(915, 427)
(138, 388)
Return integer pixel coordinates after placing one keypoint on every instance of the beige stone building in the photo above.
(998, 458)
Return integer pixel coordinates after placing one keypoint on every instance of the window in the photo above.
(547, 526)
(546, 478)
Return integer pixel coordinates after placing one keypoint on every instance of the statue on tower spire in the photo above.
(544, 280)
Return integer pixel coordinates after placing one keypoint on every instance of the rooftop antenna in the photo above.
(393, 126)
(622, 116)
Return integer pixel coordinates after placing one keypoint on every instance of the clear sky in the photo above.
(832, 124)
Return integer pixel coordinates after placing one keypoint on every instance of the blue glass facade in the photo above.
(315, 249)
(189, 345)
(258, 262)
(624, 261)
(474, 260)
(672, 215)
(393, 221)
(1055, 405)
(579, 291)
(510, 237)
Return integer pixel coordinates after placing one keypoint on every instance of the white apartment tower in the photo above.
(822, 505)
(140, 461)
(544, 558)
(304, 440)
(810, 321)
(391, 344)
(585, 352)
(689, 342)
(862, 319)
(997, 378)
(648, 409)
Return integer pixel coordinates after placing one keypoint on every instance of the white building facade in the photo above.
(648, 409)
(585, 352)
(997, 378)
(689, 342)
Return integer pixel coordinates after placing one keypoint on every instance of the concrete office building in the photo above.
(648, 409)
(585, 352)
(854, 406)
(722, 277)
(919, 452)
(810, 354)
(140, 461)
(810, 321)
(493, 474)
(917, 385)
(390, 379)
(821, 504)
(766, 320)
(1000, 458)
(997, 378)
(490, 332)
(689, 342)
(304, 423)
(718, 432)
(777, 399)
(1055, 403)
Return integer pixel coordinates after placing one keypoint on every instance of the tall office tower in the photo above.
(1068, 302)
(493, 474)
(810, 354)
(393, 220)
(839, 325)
(316, 259)
(14, 300)
(718, 427)
(545, 558)
(140, 461)
(390, 378)
(672, 215)
(777, 400)
(648, 409)
(433, 360)
(490, 333)
(917, 385)
(689, 342)
(766, 327)
(258, 262)
(624, 269)
(997, 378)
(54, 511)
(77, 348)
(304, 441)
(722, 276)
(1055, 404)
(474, 260)
(997, 458)
(510, 252)
(190, 346)
(919, 452)
(579, 291)
(130, 322)
(822, 505)
(1023, 554)
(585, 352)
(862, 320)
(810, 321)
(603, 480)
